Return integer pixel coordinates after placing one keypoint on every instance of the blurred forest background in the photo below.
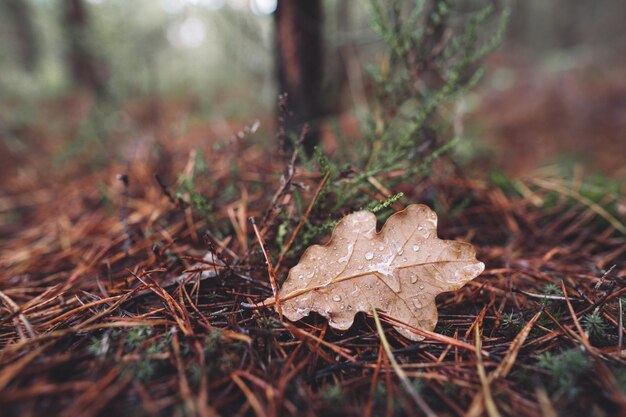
(92, 69)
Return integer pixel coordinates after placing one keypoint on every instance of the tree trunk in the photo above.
(19, 12)
(298, 31)
(83, 67)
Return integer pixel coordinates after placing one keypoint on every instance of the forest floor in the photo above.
(105, 310)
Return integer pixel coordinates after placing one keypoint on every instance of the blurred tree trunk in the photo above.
(20, 14)
(83, 66)
(298, 37)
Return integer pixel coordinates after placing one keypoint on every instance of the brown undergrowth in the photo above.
(99, 317)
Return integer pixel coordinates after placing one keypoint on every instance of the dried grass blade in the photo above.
(270, 270)
(598, 209)
(410, 389)
(302, 220)
(490, 405)
(252, 399)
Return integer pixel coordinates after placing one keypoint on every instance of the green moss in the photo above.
(566, 371)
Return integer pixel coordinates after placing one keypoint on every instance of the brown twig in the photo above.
(270, 269)
(303, 220)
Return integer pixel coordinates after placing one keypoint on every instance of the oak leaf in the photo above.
(399, 271)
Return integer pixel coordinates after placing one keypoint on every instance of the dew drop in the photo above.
(405, 260)
(420, 228)
(369, 255)
(413, 279)
(342, 307)
(381, 247)
(349, 308)
(336, 297)
(417, 303)
(416, 248)
(360, 267)
(300, 276)
(427, 235)
(421, 287)
(400, 251)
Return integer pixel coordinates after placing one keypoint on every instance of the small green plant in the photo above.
(136, 336)
(212, 342)
(145, 369)
(143, 342)
(595, 325)
(512, 322)
(220, 353)
(194, 374)
(269, 322)
(333, 396)
(551, 289)
(186, 190)
(99, 345)
(566, 371)
(186, 193)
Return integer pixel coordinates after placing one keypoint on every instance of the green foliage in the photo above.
(186, 187)
(136, 336)
(145, 369)
(269, 322)
(99, 346)
(619, 373)
(512, 321)
(376, 206)
(221, 354)
(139, 342)
(501, 180)
(566, 371)
(333, 396)
(105, 198)
(322, 160)
(408, 128)
(380, 396)
(551, 289)
(281, 234)
(595, 325)
(422, 73)
(595, 189)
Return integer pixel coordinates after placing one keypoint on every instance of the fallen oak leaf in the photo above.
(399, 271)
